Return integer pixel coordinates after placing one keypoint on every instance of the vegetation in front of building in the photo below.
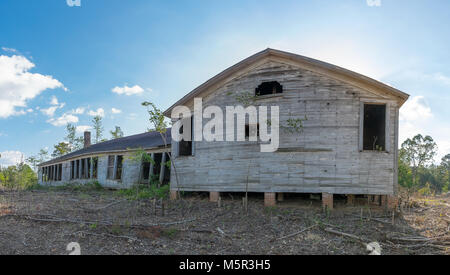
(142, 192)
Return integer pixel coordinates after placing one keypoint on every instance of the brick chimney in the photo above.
(87, 139)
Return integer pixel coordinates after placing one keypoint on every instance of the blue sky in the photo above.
(60, 63)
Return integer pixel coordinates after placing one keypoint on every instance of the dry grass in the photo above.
(44, 222)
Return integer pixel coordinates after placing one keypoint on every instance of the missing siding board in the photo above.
(374, 133)
(269, 88)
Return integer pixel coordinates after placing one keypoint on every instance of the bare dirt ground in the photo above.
(45, 222)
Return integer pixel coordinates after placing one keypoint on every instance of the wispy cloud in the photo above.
(9, 50)
(99, 112)
(373, 3)
(18, 85)
(83, 128)
(116, 111)
(125, 90)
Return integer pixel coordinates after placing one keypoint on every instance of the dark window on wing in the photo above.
(374, 127)
(185, 146)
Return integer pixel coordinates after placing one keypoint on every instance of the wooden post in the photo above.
(269, 199)
(86, 168)
(280, 196)
(79, 168)
(327, 201)
(163, 168)
(350, 200)
(173, 195)
(91, 169)
(214, 196)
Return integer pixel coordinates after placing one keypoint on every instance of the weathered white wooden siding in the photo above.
(131, 170)
(325, 157)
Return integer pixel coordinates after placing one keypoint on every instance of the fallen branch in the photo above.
(104, 223)
(108, 205)
(296, 233)
(105, 235)
(372, 219)
(329, 230)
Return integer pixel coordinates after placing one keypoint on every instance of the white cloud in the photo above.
(54, 101)
(416, 117)
(116, 111)
(63, 120)
(415, 109)
(99, 112)
(18, 85)
(50, 111)
(9, 158)
(136, 89)
(83, 128)
(373, 3)
(78, 111)
(55, 106)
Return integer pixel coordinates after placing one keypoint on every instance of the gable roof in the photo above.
(309, 63)
(146, 140)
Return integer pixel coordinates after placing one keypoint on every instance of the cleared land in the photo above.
(105, 222)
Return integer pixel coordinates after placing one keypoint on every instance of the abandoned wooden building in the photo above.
(113, 164)
(348, 144)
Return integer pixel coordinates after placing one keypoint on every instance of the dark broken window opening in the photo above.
(146, 169)
(157, 166)
(269, 88)
(72, 170)
(247, 131)
(59, 172)
(185, 146)
(374, 133)
(119, 167)
(95, 167)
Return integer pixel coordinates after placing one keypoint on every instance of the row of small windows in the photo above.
(52, 173)
(84, 168)
(156, 169)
